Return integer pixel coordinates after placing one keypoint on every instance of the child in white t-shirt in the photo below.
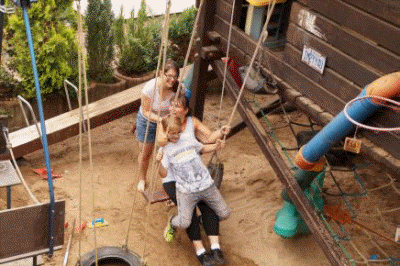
(193, 181)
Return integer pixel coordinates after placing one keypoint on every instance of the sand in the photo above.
(250, 188)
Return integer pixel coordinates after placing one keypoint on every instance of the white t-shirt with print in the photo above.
(184, 162)
(158, 104)
(187, 134)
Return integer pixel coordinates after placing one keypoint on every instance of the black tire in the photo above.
(217, 173)
(108, 255)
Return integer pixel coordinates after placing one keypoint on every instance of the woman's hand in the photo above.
(162, 137)
(220, 144)
(159, 154)
(225, 130)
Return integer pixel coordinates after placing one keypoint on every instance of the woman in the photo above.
(148, 114)
(193, 128)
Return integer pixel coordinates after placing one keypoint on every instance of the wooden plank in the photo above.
(388, 10)
(377, 30)
(24, 230)
(317, 93)
(321, 234)
(66, 125)
(346, 41)
(330, 80)
(343, 64)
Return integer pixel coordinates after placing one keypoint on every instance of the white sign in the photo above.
(314, 59)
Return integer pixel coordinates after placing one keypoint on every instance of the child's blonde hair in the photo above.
(172, 122)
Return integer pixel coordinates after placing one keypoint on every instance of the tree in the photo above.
(119, 30)
(54, 44)
(100, 40)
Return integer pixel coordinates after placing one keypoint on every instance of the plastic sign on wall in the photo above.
(313, 59)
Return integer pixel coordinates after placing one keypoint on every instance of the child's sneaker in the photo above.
(169, 231)
(217, 256)
(206, 259)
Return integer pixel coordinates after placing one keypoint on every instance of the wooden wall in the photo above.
(360, 39)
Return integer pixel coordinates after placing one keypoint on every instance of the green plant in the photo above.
(100, 40)
(54, 44)
(181, 26)
(143, 41)
(8, 84)
(119, 30)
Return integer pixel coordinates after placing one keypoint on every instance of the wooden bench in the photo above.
(8, 178)
(61, 127)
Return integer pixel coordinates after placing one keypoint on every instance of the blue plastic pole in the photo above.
(337, 128)
(43, 128)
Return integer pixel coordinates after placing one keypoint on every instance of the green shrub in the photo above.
(119, 31)
(144, 39)
(54, 44)
(9, 85)
(100, 40)
(143, 43)
(181, 26)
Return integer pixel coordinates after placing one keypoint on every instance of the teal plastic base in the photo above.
(288, 221)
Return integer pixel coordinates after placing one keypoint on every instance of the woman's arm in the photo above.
(213, 147)
(205, 135)
(146, 109)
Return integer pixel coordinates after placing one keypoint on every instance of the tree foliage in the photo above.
(54, 44)
(100, 39)
(119, 30)
(144, 39)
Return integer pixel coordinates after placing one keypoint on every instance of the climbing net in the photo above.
(369, 213)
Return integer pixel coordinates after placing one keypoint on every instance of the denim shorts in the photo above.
(141, 125)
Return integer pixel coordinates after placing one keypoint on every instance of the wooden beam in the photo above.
(25, 230)
(318, 229)
(338, 61)
(384, 9)
(379, 31)
(352, 44)
(199, 85)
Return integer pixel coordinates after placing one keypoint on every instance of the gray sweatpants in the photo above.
(188, 201)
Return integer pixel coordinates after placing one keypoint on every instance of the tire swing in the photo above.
(110, 256)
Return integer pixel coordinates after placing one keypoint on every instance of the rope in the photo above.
(163, 47)
(82, 70)
(156, 165)
(196, 22)
(9, 147)
(263, 36)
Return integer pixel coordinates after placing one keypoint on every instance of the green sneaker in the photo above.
(169, 232)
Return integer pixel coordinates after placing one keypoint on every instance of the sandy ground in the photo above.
(250, 188)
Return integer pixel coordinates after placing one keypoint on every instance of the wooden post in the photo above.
(1, 28)
(199, 85)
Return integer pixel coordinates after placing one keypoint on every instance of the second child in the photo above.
(193, 181)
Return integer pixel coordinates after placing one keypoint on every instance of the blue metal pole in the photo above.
(43, 128)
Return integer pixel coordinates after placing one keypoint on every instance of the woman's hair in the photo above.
(171, 64)
(171, 122)
(181, 101)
